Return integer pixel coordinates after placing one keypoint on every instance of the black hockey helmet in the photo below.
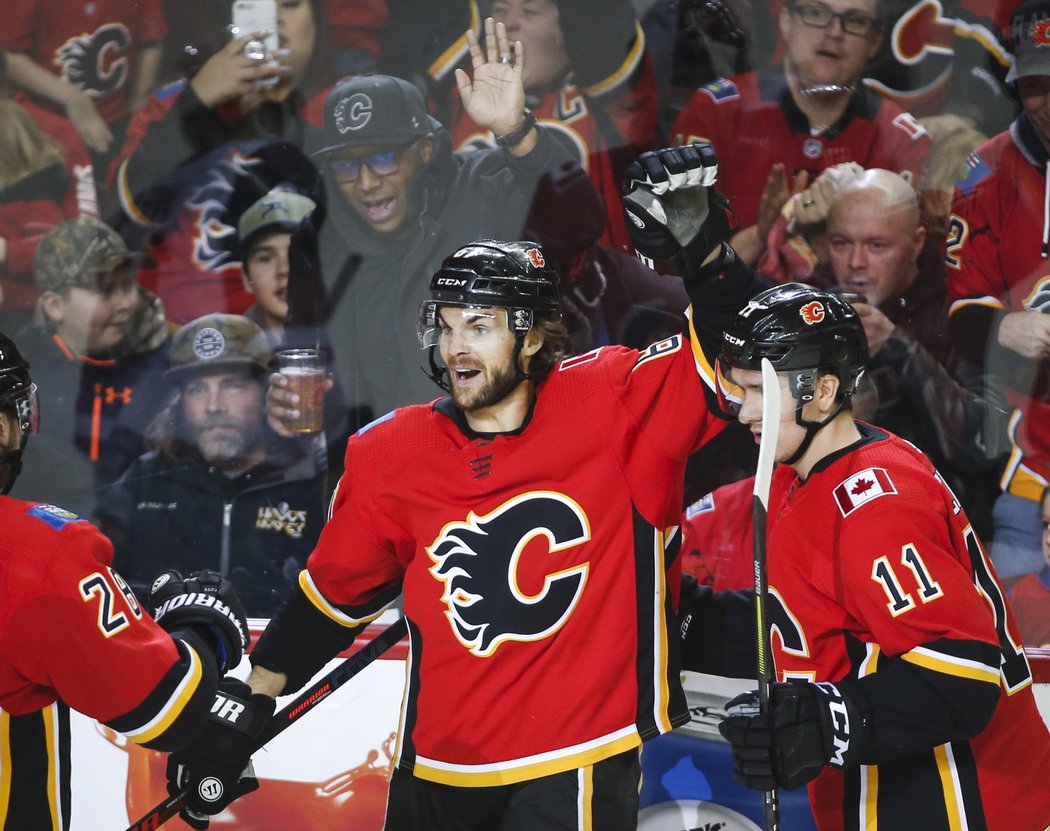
(803, 332)
(799, 329)
(489, 273)
(17, 395)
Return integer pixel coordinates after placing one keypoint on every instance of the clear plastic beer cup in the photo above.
(305, 371)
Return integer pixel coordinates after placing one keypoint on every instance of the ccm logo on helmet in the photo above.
(451, 281)
(536, 257)
(812, 312)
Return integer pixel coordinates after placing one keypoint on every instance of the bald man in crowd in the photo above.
(922, 388)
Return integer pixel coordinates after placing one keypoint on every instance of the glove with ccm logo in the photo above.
(217, 769)
(806, 727)
(204, 601)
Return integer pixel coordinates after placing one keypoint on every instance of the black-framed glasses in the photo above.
(382, 163)
(819, 17)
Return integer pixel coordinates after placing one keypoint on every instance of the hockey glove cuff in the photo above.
(204, 601)
(807, 727)
(216, 769)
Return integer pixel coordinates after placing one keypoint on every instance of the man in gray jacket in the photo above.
(398, 200)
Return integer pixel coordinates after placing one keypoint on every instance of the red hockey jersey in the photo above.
(93, 46)
(72, 631)
(753, 123)
(533, 565)
(995, 263)
(872, 558)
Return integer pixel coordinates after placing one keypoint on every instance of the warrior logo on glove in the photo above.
(210, 789)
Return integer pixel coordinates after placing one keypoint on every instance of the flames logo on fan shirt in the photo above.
(88, 62)
(1041, 33)
(812, 312)
(216, 236)
(1039, 298)
(484, 562)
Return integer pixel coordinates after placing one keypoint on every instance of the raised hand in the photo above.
(495, 97)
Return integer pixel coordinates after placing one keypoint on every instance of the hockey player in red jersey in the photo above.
(73, 635)
(902, 695)
(528, 521)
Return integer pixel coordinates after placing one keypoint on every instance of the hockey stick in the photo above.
(760, 503)
(304, 702)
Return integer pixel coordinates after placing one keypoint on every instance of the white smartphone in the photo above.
(251, 16)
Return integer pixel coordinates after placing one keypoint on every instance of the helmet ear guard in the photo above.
(17, 395)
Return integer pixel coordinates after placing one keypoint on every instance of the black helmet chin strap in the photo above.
(811, 427)
(438, 373)
(11, 464)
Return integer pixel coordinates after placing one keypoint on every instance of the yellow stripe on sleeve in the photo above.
(175, 704)
(948, 665)
(318, 601)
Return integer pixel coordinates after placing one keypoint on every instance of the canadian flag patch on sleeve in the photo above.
(863, 487)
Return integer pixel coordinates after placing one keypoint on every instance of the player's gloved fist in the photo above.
(204, 601)
(807, 727)
(671, 203)
(216, 769)
(718, 21)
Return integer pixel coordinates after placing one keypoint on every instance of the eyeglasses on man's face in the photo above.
(820, 16)
(382, 163)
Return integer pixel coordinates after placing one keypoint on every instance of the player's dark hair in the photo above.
(555, 347)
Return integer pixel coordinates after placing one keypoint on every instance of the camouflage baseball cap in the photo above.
(219, 340)
(278, 210)
(76, 252)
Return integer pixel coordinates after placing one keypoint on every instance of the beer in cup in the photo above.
(305, 371)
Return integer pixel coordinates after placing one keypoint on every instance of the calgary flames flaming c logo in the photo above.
(812, 312)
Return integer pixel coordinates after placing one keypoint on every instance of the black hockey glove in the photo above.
(216, 769)
(807, 727)
(205, 601)
(717, 20)
(673, 209)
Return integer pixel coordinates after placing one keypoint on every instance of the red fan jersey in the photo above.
(871, 558)
(533, 565)
(753, 123)
(92, 45)
(193, 267)
(1030, 601)
(995, 263)
(72, 631)
(35, 204)
(718, 537)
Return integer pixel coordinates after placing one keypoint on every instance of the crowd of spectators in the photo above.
(173, 193)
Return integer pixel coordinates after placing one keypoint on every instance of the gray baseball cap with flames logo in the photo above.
(375, 111)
